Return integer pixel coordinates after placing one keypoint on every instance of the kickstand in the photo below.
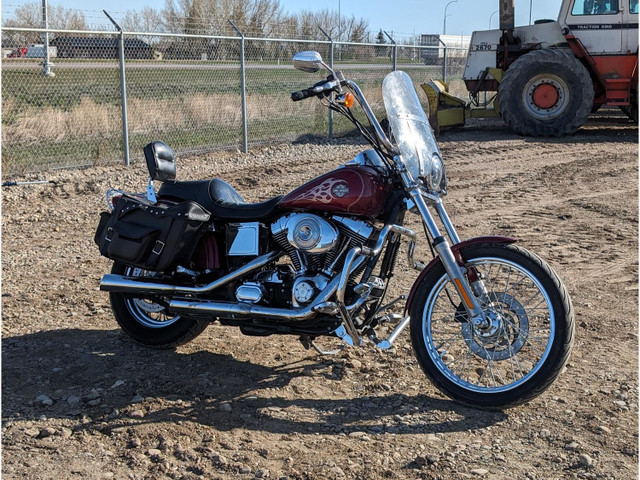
(307, 343)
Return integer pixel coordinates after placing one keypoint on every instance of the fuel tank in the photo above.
(354, 189)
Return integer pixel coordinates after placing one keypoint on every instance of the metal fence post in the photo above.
(243, 93)
(444, 61)
(123, 92)
(395, 52)
(46, 64)
(331, 65)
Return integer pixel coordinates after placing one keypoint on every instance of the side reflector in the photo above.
(463, 293)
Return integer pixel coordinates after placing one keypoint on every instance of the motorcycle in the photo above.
(491, 324)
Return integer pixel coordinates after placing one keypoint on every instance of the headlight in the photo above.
(432, 171)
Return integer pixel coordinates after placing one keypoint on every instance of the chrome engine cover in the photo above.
(307, 232)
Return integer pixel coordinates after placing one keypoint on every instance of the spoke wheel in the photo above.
(148, 313)
(147, 321)
(491, 359)
(520, 349)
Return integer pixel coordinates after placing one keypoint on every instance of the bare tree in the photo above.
(29, 15)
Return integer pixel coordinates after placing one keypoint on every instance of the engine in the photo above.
(317, 248)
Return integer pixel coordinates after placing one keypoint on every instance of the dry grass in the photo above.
(90, 119)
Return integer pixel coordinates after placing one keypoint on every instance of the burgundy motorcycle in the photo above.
(491, 323)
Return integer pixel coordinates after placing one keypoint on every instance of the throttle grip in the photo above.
(302, 94)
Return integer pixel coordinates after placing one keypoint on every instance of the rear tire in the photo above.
(546, 93)
(147, 322)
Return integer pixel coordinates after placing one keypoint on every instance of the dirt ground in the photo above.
(82, 401)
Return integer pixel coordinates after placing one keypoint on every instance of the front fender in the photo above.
(456, 252)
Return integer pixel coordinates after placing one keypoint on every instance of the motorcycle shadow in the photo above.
(105, 380)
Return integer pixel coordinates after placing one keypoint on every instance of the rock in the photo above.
(420, 461)
(117, 384)
(225, 407)
(44, 400)
(337, 472)
(135, 442)
(73, 400)
(479, 472)
(431, 459)
(154, 452)
(93, 403)
(262, 474)
(32, 432)
(47, 432)
(544, 433)
(88, 397)
(219, 459)
(585, 460)
(356, 363)
(136, 399)
(137, 414)
(572, 447)
(603, 429)
(245, 469)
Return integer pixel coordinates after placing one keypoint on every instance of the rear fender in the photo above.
(456, 252)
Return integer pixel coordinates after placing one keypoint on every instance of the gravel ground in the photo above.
(80, 400)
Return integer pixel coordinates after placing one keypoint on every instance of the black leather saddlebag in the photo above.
(154, 237)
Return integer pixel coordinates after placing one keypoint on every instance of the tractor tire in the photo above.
(546, 93)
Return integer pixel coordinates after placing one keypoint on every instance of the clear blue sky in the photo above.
(402, 16)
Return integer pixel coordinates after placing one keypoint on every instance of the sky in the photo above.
(401, 16)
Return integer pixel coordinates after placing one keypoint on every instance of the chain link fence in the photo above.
(113, 92)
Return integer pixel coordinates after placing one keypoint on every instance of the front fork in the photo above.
(468, 293)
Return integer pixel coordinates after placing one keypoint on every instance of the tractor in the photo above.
(545, 79)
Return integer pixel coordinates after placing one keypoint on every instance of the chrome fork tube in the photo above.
(446, 221)
(443, 249)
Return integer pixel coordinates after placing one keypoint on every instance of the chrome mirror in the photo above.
(309, 61)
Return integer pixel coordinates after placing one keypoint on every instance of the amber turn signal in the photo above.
(349, 99)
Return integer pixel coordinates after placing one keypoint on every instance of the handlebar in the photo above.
(317, 90)
(328, 85)
(302, 94)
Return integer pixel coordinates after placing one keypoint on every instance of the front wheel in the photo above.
(147, 321)
(521, 349)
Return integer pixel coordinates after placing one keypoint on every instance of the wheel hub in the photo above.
(545, 95)
(504, 334)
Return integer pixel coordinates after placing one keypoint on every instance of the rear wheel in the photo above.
(147, 321)
(546, 93)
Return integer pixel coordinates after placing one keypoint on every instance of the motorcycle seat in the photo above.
(219, 198)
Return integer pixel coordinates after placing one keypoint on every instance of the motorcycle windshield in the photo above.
(413, 134)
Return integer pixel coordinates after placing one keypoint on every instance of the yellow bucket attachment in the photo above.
(446, 111)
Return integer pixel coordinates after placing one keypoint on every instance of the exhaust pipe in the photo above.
(143, 285)
(194, 307)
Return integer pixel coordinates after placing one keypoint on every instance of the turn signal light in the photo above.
(349, 99)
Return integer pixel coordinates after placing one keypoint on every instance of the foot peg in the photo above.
(375, 288)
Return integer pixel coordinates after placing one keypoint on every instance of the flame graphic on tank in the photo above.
(323, 192)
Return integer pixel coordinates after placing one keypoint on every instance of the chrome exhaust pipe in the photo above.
(143, 285)
(194, 307)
